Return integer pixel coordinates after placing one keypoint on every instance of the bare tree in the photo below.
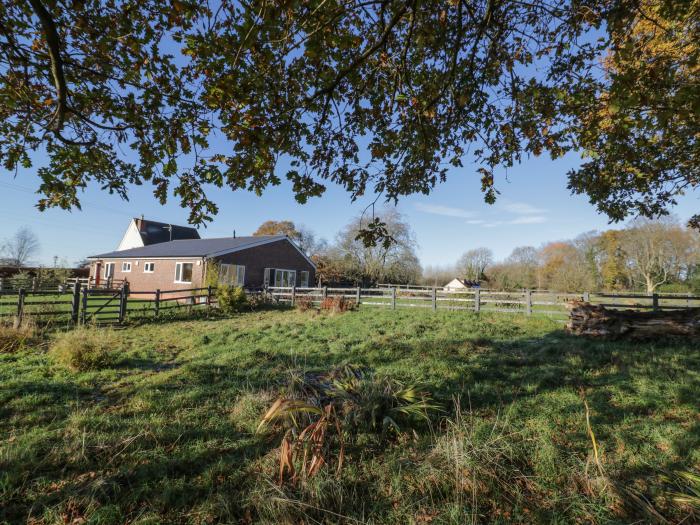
(20, 248)
(473, 263)
(657, 251)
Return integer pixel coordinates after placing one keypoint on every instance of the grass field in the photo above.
(167, 434)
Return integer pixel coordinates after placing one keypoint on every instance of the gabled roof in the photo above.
(197, 248)
(153, 232)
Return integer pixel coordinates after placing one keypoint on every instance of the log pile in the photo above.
(597, 321)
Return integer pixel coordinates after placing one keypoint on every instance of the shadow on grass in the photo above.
(175, 447)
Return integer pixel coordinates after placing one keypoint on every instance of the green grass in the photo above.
(167, 433)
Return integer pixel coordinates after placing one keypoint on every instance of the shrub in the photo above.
(321, 413)
(231, 299)
(86, 348)
(304, 303)
(12, 339)
(337, 304)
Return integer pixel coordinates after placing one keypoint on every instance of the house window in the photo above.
(149, 267)
(109, 270)
(126, 267)
(183, 272)
(232, 274)
(304, 279)
(285, 278)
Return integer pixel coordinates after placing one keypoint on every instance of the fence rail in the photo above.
(81, 304)
(527, 302)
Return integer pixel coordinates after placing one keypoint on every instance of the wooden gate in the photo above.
(103, 306)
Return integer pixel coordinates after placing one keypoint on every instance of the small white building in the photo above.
(457, 284)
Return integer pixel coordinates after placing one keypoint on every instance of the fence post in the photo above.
(358, 295)
(75, 303)
(393, 298)
(156, 304)
(83, 314)
(655, 302)
(434, 299)
(586, 297)
(687, 304)
(477, 300)
(325, 292)
(294, 295)
(20, 308)
(528, 302)
(209, 290)
(34, 284)
(124, 293)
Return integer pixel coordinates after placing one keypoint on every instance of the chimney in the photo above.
(139, 223)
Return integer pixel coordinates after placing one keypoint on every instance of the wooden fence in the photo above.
(526, 302)
(102, 305)
(82, 305)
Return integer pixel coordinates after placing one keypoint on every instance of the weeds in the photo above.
(332, 408)
(86, 348)
(337, 305)
(15, 338)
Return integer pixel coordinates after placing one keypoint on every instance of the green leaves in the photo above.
(380, 98)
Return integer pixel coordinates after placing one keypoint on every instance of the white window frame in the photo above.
(109, 270)
(304, 278)
(291, 278)
(126, 266)
(232, 274)
(147, 265)
(178, 272)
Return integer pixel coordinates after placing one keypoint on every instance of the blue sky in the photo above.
(534, 207)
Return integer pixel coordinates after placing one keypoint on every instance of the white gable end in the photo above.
(132, 238)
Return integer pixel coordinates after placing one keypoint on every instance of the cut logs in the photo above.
(597, 321)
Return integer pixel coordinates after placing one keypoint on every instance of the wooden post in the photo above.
(690, 294)
(528, 302)
(209, 290)
(358, 295)
(20, 307)
(75, 304)
(434, 299)
(393, 298)
(477, 300)
(655, 302)
(156, 304)
(325, 292)
(34, 284)
(294, 295)
(124, 293)
(586, 297)
(83, 314)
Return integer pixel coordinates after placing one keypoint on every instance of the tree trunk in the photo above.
(597, 321)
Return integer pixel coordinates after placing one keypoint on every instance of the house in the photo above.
(252, 262)
(142, 232)
(457, 284)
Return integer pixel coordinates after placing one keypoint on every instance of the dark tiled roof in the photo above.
(153, 232)
(192, 247)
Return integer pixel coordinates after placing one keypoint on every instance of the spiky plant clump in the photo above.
(86, 348)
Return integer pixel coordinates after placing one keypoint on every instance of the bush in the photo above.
(231, 299)
(12, 339)
(86, 348)
(337, 304)
(304, 303)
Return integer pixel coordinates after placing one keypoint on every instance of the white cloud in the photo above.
(521, 208)
(529, 219)
(475, 221)
(446, 211)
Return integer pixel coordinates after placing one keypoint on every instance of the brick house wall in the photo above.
(280, 254)
(163, 276)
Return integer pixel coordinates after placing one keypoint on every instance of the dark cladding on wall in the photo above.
(279, 254)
